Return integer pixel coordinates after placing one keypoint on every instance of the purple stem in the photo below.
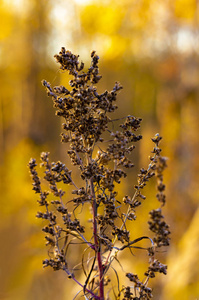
(96, 242)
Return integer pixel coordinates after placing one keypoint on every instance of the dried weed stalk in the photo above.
(86, 118)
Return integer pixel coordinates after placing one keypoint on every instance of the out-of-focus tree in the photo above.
(183, 277)
(23, 53)
(25, 123)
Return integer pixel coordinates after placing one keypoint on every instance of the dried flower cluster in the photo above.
(86, 117)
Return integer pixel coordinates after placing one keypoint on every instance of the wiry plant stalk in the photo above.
(96, 242)
(86, 117)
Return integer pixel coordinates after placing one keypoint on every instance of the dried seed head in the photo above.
(87, 116)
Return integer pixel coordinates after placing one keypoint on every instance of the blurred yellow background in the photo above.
(152, 48)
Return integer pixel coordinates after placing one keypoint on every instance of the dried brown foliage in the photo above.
(86, 118)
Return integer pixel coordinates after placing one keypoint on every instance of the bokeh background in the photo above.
(152, 48)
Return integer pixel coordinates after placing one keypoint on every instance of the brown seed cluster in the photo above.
(86, 117)
(159, 227)
(156, 224)
(141, 291)
(156, 266)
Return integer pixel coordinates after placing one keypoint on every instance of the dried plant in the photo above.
(101, 164)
